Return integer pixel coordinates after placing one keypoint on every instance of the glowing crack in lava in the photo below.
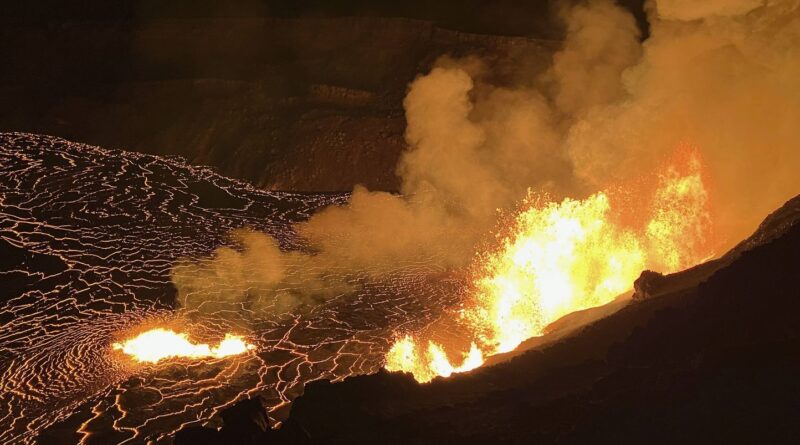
(567, 256)
(159, 344)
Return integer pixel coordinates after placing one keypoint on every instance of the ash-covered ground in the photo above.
(88, 238)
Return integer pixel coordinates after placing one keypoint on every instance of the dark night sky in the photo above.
(507, 17)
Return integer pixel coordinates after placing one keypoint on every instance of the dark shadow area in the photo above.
(288, 95)
(244, 423)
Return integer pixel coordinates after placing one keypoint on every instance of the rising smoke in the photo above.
(720, 75)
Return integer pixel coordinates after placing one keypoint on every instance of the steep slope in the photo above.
(714, 362)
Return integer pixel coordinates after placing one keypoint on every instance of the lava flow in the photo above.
(567, 256)
(159, 344)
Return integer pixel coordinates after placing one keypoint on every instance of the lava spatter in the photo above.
(562, 257)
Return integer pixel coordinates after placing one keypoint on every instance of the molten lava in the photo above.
(430, 363)
(159, 344)
(566, 256)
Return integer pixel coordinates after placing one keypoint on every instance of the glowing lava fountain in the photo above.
(159, 344)
(561, 257)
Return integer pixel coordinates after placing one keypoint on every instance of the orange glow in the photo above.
(425, 365)
(680, 224)
(159, 344)
(568, 256)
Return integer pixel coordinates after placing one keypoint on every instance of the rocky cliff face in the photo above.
(297, 104)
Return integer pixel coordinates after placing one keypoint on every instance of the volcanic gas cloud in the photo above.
(619, 154)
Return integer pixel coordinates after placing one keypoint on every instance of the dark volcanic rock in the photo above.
(197, 435)
(713, 362)
(245, 423)
(648, 284)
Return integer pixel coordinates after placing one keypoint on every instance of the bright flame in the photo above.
(159, 344)
(565, 257)
(680, 223)
(431, 363)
